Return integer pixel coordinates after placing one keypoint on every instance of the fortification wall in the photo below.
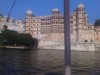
(60, 46)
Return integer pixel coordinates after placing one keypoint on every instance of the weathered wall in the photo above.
(60, 45)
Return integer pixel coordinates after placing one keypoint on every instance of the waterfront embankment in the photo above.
(77, 46)
(17, 47)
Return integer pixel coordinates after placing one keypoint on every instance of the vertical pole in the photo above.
(67, 38)
(11, 10)
(0, 23)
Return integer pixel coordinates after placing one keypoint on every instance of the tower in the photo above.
(28, 22)
(57, 21)
(55, 11)
(80, 21)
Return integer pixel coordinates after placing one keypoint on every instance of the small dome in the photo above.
(80, 5)
(29, 12)
(5, 16)
(12, 18)
(55, 9)
(86, 15)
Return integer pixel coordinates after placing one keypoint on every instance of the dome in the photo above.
(86, 14)
(55, 9)
(29, 12)
(12, 18)
(5, 16)
(80, 5)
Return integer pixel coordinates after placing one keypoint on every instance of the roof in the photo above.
(29, 12)
(80, 5)
(55, 9)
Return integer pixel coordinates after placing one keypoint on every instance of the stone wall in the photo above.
(60, 46)
(83, 46)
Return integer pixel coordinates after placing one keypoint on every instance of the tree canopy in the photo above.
(97, 22)
(13, 38)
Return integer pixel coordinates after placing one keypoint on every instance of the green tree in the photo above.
(12, 38)
(5, 27)
(9, 36)
(97, 22)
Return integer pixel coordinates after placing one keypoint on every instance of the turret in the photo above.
(80, 14)
(29, 13)
(28, 22)
(80, 21)
(55, 11)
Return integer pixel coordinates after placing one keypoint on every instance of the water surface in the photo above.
(47, 62)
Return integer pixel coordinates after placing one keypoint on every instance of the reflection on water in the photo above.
(47, 62)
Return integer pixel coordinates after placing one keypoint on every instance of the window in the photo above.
(71, 17)
(79, 9)
(71, 21)
(97, 38)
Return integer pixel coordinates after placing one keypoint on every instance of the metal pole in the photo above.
(0, 24)
(11, 10)
(67, 38)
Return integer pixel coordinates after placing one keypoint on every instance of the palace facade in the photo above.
(51, 27)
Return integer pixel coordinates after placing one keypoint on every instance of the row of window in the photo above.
(58, 31)
(57, 17)
(73, 21)
(56, 12)
(89, 27)
(46, 19)
(46, 28)
(82, 15)
(46, 32)
(41, 19)
(81, 9)
(45, 23)
(52, 23)
(57, 22)
(52, 18)
(78, 9)
(56, 27)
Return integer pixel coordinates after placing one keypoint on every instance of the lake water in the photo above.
(47, 62)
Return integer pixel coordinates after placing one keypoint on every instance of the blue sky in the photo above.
(44, 7)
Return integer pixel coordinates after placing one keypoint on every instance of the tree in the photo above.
(12, 38)
(97, 22)
(5, 27)
(9, 36)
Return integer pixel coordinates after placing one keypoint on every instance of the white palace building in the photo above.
(12, 24)
(50, 29)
